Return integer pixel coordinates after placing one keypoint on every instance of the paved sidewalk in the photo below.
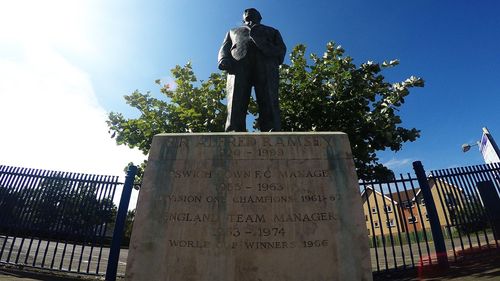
(17, 275)
(482, 268)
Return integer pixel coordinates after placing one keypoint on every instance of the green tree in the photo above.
(57, 207)
(187, 107)
(332, 94)
(467, 215)
(129, 224)
(328, 93)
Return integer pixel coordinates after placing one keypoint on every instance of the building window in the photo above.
(366, 217)
(374, 210)
(450, 200)
(426, 217)
(453, 216)
(375, 224)
(412, 219)
(408, 204)
(369, 233)
(388, 209)
(390, 223)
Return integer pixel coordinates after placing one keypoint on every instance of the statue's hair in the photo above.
(254, 10)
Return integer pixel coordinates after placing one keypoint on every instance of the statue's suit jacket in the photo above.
(260, 71)
(267, 39)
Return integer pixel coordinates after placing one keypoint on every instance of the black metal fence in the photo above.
(397, 224)
(57, 220)
(451, 214)
(470, 204)
(62, 221)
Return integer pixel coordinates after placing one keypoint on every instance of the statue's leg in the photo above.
(238, 96)
(266, 92)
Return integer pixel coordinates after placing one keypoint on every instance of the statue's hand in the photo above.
(226, 65)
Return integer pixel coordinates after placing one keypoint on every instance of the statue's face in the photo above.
(251, 16)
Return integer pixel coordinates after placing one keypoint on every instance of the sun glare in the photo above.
(56, 23)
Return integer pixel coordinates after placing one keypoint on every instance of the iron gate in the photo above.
(468, 197)
(60, 220)
(450, 214)
(398, 227)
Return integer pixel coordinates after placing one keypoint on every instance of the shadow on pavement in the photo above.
(477, 266)
(484, 266)
(11, 273)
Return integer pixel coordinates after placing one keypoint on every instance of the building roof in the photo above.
(369, 187)
(403, 196)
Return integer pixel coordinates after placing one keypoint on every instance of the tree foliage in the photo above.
(187, 108)
(129, 224)
(57, 209)
(332, 94)
(328, 93)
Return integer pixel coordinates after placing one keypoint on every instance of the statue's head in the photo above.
(251, 16)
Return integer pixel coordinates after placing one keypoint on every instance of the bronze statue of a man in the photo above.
(251, 54)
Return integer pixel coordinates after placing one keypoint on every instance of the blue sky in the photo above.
(64, 64)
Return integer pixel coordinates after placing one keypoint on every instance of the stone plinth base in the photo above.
(249, 207)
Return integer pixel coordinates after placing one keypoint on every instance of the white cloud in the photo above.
(50, 116)
(397, 163)
(58, 23)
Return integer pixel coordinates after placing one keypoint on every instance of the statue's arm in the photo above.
(272, 46)
(280, 47)
(225, 53)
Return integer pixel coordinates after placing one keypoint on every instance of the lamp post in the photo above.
(466, 146)
(487, 146)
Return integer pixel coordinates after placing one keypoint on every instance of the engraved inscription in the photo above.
(243, 141)
(258, 207)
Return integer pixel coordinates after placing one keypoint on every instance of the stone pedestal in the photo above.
(249, 207)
